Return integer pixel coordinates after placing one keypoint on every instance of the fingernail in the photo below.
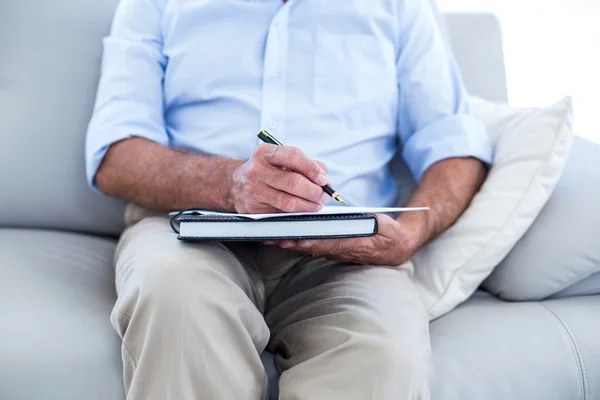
(325, 198)
(305, 244)
(322, 179)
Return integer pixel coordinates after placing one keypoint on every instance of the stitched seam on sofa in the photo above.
(576, 353)
(509, 220)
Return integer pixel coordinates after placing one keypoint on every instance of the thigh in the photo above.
(320, 288)
(335, 325)
(149, 252)
(185, 310)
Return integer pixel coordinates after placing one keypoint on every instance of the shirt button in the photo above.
(273, 125)
(274, 78)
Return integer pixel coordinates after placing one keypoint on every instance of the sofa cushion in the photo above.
(49, 72)
(57, 291)
(493, 350)
(586, 287)
(531, 147)
(562, 247)
(56, 294)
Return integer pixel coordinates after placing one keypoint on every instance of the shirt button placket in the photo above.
(274, 75)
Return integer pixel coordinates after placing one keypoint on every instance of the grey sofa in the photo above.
(57, 236)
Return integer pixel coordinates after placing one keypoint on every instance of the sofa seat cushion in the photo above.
(56, 294)
(495, 350)
(57, 291)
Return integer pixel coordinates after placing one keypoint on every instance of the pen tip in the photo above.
(339, 198)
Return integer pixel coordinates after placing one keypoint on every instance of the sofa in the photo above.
(57, 236)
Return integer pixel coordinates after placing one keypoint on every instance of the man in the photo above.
(185, 87)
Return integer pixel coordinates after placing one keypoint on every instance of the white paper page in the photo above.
(327, 210)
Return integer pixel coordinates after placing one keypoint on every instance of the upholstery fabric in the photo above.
(49, 73)
(562, 248)
(57, 290)
(586, 287)
(482, 65)
(531, 148)
(490, 349)
(56, 293)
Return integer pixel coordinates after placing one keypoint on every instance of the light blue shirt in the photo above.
(346, 81)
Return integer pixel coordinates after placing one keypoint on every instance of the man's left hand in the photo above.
(391, 246)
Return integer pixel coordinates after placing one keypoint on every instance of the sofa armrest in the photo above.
(476, 40)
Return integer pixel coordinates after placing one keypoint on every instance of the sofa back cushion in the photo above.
(51, 54)
(51, 51)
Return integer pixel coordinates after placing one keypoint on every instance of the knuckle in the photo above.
(293, 182)
(313, 170)
(288, 204)
(322, 165)
(294, 152)
(261, 151)
(253, 171)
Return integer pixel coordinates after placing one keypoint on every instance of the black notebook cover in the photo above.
(199, 219)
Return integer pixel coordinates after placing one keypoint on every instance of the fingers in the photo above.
(297, 185)
(323, 166)
(283, 201)
(295, 160)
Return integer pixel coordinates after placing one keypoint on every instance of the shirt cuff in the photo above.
(452, 137)
(96, 151)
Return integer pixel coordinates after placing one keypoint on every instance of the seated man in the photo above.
(186, 85)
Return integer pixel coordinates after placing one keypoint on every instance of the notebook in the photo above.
(331, 222)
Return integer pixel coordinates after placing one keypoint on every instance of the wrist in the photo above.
(227, 197)
(414, 230)
(212, 177)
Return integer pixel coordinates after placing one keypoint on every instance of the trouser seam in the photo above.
(128, 318)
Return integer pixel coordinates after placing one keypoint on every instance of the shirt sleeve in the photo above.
(434, 119)
(129, 101)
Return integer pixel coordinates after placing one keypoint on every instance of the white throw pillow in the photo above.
(530, 150)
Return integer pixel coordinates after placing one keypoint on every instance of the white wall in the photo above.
(552, 49)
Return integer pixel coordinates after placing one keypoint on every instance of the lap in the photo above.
(149, 253)
(318, 300)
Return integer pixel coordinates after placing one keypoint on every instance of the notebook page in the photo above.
(327, 210)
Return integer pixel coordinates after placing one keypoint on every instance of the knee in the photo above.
(398, 349)
(177, 277)
(398, 358)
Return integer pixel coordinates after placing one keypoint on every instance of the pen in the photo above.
(268, 138)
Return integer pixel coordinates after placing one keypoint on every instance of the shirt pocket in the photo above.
(351, 70)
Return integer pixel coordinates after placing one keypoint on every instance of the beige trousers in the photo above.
(194, 319)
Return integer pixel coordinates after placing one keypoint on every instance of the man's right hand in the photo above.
(279, 179)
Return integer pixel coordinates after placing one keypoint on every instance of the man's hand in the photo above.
(447, 188)
(276, 179)
(391, 246)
